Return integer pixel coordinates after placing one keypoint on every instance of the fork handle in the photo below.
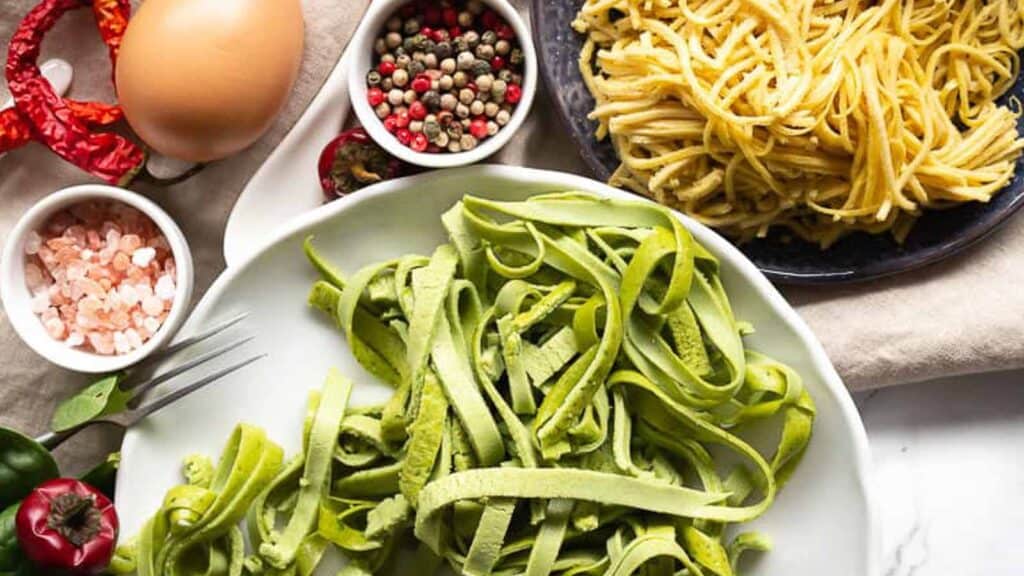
(50, 440)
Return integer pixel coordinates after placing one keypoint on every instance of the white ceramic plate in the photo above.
(823, 523)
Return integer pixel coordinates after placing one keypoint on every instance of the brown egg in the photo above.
(202, 79)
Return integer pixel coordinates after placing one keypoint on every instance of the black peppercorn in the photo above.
(373, 78)
(432, 99)
(489, 37)
(429, 45)
(416, 67)
(515, 58)
(481, 67)
(442, 50)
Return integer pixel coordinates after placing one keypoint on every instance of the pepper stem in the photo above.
(359, 170)
(75, 517)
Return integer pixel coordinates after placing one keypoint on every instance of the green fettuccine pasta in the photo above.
(569, 374)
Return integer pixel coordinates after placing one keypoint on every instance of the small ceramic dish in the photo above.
(17, 298)
(361, 50)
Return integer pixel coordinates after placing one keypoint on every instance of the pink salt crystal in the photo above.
(75, 339)
(121, 319)
(40, 302)
(152, 305)
(159, 243)
(128, 295)
(77, 234)
(113, 238)
(169, 267)
(76, 269)
(121, 345)
(164, 288)
(143, 256)
(102, 342)
(93, 237)
(33, 276)
(120, 262)
(87, 255)
(49, 314)
(57, 296)
(32, 242)
(130, 243)
(68, 312)
(55, 328)
(134, 339)
(144, 290)
(66, 254)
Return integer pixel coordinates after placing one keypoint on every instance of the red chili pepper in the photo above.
(353, 160)
(67, 525)
(51, 119)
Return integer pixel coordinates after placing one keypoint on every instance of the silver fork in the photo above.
(137, 409)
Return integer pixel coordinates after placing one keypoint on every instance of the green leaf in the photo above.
(10, 553)
(24, 464)
(102, 398)
(104, 476)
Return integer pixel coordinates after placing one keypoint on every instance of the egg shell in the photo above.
(202, 79)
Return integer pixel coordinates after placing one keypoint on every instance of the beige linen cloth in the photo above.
(965, 315)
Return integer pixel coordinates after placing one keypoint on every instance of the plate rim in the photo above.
(976, 231)
(717, 244)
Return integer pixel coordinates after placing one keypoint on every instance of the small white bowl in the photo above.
(361, 59)
(17, 299)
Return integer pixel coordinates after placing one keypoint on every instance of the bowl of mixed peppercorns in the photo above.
(442, 83)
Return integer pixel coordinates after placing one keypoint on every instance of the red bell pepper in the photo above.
(67, 526)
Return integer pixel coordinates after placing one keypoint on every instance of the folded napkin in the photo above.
(962, 316)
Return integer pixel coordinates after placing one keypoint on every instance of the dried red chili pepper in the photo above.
(67, 525)
(109, 156)
(352, 161)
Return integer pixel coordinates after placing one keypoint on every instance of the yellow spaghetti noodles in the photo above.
(819, 116)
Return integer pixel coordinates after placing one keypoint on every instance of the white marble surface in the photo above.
(949, 475)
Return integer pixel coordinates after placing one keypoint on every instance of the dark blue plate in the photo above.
(860, 256)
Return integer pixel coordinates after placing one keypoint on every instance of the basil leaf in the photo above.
(24, 464)
(10, 553)
(98, 399)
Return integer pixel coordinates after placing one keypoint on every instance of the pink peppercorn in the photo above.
(455, 31)
(374, 96)
(513, 94)
(402, 119)
(478, 128)
(386, 68)
(390, 124)
(404, 136)
(419, 142)
(432, 16)
(505, 32)
(490, 19)
(421, 83)
(417, 110)
(451, 16)
(497, 63)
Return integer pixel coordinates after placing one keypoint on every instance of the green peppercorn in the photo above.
(431, 99)
(459, 44)
(443, 50)
(480, 67)
(431, 130)
(505, 75)
(489, 37)
(419, 41)
(502, 47)
(373, 78)
(429, 46)
(402, 62)
(399, 52)
(416, 67)
(515, 58)
(409, 44)
(411, 27)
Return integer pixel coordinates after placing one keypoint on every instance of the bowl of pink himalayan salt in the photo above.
(95, 278)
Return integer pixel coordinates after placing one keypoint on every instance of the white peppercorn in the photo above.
(461, 110)
(502, 117)
(465, 60)
(498, 89)
(465, 19)
(492, 128)
(430, 60)
(418, 56)
(388, 58)
(416, 126)
(448, 102)
(448, 65)
(454, 147)
(460, 79)
(400, 77)
(395, 97)
(386, 84)
(466, 123)
(442, 139)
(409, 96)
(490, 109)
(489, 37)
(445, 83)
(476, 108)
(466, 96)
(467, 142)
(472, 38)
(484, 82)
(502, 47)
(403, 61)
(484, 51)
(393, 40)
(382, 110)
